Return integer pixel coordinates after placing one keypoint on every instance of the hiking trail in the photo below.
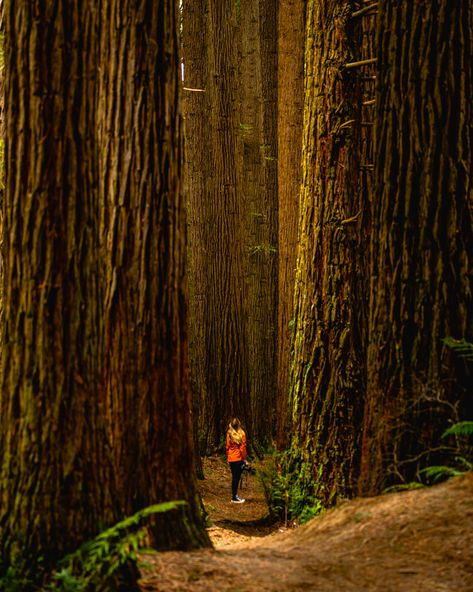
(414, 541)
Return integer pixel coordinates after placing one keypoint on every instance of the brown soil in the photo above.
(415, 541)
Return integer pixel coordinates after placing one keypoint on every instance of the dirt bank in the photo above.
(415, 541)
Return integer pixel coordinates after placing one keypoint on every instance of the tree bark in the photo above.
(143, 229)
(94, 386)
(421, 283)
(258, 146)
(327, 373)
(291, 32)
(57, 478)
(220, 367)
(197, 146)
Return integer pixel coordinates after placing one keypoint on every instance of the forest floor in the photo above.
(414, 541)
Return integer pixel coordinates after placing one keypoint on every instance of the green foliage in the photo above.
(461, 465)
(440, 473)
(13, 581)
(102, 564)
(266, 152)
(462, 428)
(264, 249)
(238, 10)
(404, 487)
(460, 346)
(246, 129)
(287, 487)
(96, 565)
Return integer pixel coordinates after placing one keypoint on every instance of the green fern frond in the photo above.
(404, 487)
(96, 561)
(460, 346)
(462, 428)
(465, 463)
(440, 472)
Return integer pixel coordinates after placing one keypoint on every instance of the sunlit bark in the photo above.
(291, 32)
(327, 371)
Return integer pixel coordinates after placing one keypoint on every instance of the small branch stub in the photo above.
(346, 124)
(360, 63)
(364, 10)
(352, 219)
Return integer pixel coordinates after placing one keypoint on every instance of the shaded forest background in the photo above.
(261, 209)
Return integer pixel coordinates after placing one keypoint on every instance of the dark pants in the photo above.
(236, 468)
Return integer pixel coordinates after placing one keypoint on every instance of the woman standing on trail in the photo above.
(236, 455)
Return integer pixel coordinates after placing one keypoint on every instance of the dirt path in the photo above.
(416, 541)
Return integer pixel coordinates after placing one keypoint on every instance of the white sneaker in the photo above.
(237, 500)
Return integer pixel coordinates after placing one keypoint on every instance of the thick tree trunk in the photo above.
(196, 108)
(291, 32)
(57, 477)
(146, 357)
(327, 373)
(94, 388)
(220, 368)
(258, 89)
(422, 241)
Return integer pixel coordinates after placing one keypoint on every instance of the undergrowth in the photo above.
(459, 433)
(287, 491)
(107, 562)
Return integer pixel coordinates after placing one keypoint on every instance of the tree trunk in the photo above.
(327, 373)
(57, 477)
(421, 283)
(258, 145)
(146, 356)
(290, 115)
(220, 368)
(94, 388)
(196, 108)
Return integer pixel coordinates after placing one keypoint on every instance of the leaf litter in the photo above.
(412, 541)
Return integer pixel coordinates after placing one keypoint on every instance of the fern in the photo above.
(435, 473)
(404, 487)
(96, 564)
(460, 346)
(462, 428)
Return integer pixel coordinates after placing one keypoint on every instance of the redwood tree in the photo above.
(327, 371)
(231, 190)
(257, 82)
(291, 20)
(219, 350)
(422, 239)
(94, 390)
(146, 382)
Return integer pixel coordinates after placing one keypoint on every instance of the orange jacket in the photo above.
(236, 452)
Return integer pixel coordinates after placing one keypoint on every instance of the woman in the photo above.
(236, 455)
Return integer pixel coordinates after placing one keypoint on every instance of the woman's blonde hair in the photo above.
(235, 431)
